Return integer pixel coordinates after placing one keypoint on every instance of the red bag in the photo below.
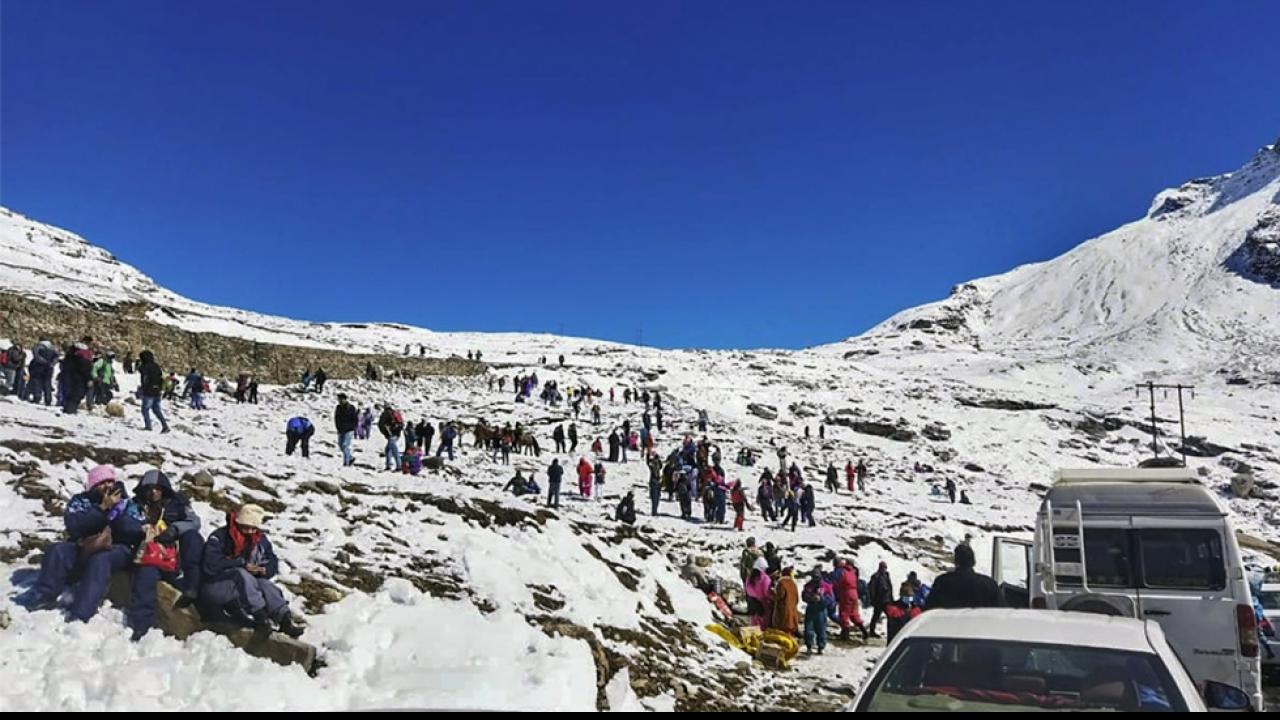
(164, 557)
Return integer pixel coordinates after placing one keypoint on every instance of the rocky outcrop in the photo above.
(764, 412)
(1004, 404)
(126, 329)
(1259, 255)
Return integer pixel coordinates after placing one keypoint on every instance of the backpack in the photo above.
(863, 594)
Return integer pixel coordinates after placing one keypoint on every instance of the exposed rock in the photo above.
(1199, 447)
(881, 429)
(803, 410)
(1004, 404)
(319, 486)
(935, 431)
(65, 452)
(1236, 465)
(974, 467)
(1237, 381)
(126, 328)
(765, 412)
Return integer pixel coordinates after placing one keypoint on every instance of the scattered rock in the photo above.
(319, 486)
(1199, 447)
(1236, 465)
(765, 412)
(974, 467)
(1004, 404)
(935, 431)
(115, 409)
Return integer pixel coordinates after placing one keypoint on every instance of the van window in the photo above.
(1270, 599)
(1106, 557)
(1182, 559)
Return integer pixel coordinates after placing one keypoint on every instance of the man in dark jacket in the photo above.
(152, 382)
(573, 438)
(105, 529)
(655, 483)
(880, 588)
(155, 497)
(391, 424)
(807, 503)
(44, 356)
(558, 436)
(555, 474)
(963, 587)
(321, 376)
(12, 364)
(345, 420)
(298, 429)
(238, 566)
(77, 369)
(626, 511)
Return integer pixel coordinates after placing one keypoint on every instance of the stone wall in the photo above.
(125, 329)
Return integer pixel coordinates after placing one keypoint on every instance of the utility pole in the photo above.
(1182, 417)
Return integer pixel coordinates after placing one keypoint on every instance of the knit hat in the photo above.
(99, 475)
(760, 564)
(251, 515)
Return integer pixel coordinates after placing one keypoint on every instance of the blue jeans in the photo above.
(150, 404)
(197, 400)
(445, 445)
(344, 444)
(815, 626)
(392, 454)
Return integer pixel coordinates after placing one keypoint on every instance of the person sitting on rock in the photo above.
(160, 503)
(517, 485)
(238, 566)
(104, 528)
(626, 511)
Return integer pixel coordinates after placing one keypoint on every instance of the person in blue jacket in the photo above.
(158, 501)
(298, 429)
(91, 555)
(238, 566)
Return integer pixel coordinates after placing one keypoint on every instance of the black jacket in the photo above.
(555, 473)
(346, 417)
(963, 589)
(880, 588)
(152, 374)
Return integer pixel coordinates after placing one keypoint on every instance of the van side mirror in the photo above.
(1219, 696)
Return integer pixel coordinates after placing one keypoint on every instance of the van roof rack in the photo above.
(1121, 475)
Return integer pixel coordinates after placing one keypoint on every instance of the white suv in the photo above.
(1006, 659)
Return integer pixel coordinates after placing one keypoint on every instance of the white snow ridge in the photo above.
(442, 591)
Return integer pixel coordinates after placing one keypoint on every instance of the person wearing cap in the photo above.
(963, 587)
(345, 420)
(104, 528)
(238, 566)
(159, 502)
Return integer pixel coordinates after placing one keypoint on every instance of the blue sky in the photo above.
(705, 174)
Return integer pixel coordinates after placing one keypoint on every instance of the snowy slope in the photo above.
(446, 592)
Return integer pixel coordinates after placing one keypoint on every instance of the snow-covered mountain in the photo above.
(443, 591)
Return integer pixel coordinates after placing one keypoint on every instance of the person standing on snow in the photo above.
(321, 376)
(815, 613)
(758, 588)
(740, 505)
(298, 429)
(951, 490)
(844, 581)
(880, 588)
(786, 600)
(702, 421)
(558, 436)
(77, 367)
(807, 504)
(655, 483)
(764, 498)
(44, 357)
(447, 435)
(555, 473)
(195, 386)
(833, 479)
(862, 476)
(573, 438)
(390, 424)
(584, 478)
(963, 587)
(850, 475)
(345, 420)
(792, 509)
(151, 389)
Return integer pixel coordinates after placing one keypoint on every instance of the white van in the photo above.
(1157, 546)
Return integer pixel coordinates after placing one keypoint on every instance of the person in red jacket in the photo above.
(844, 581)
(585, 471)
(740, 505)
(850, 475)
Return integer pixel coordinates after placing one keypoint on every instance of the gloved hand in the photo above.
(168, 537)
